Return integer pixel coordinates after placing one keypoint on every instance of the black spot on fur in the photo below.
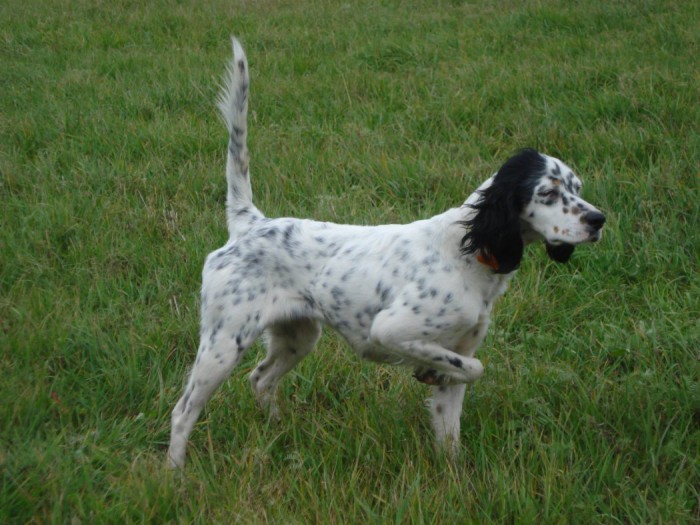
(287, 240)
(337, 293)
(215, 331)
(454, 361)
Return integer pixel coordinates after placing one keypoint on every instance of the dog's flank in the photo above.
(418, 294)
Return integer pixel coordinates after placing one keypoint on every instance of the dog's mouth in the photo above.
(590, 234)
(595, 235)
(560, 250)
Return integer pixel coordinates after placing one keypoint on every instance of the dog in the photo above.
(418, 294)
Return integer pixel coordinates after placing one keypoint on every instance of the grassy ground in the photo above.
(112, 192)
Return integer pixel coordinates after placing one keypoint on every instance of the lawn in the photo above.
(112, 192)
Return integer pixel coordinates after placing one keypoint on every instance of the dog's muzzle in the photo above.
(595, 221)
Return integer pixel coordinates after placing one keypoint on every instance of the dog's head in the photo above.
(532, 197)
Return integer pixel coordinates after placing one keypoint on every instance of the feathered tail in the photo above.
(233, 104)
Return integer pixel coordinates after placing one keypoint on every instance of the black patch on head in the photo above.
(494, 230)
(573, 187)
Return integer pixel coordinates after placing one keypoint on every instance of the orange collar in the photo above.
(487, 260)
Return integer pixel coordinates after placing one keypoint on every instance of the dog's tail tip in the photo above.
(237, 47)
(239, 58)
(234, 93)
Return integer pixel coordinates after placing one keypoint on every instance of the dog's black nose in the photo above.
(594, 219)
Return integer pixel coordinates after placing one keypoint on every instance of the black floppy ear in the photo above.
(560, 253)
(494, 231)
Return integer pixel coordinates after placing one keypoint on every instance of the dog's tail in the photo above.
(233, 104)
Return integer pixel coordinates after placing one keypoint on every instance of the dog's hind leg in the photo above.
(288, 342)
(220, 350)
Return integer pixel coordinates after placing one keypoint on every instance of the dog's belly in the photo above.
(359, 341)
(353, 324)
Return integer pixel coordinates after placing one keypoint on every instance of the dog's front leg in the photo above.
(438, 365)
(446, 409)
(446, 370)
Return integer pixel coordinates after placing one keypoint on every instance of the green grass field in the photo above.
(112, 192)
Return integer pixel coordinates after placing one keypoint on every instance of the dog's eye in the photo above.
(548, 194)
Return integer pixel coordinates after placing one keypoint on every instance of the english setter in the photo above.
(418, 294)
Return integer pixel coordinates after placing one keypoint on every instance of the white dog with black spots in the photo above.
(418, 294)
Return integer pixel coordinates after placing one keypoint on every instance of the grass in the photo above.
(112, 191)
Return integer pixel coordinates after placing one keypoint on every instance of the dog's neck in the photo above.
(488, 260)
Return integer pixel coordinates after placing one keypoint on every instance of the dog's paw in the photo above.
(431, 377)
